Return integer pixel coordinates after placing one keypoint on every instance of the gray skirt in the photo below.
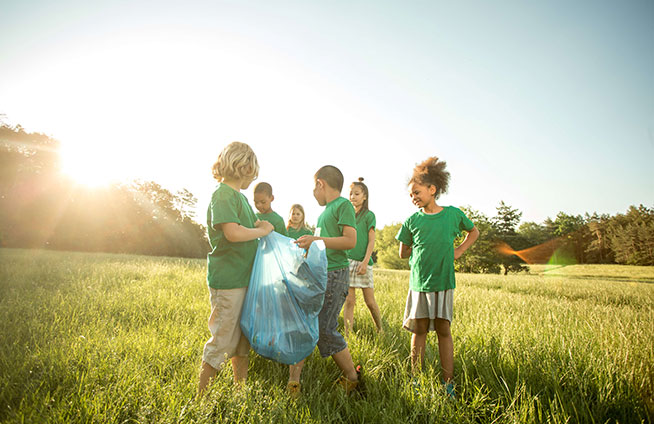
(430, 305)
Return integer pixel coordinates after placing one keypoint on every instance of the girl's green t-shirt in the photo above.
(432, 240)
(276, 220)
(365, 222)
(337, 214)
(299, 232)
(229, 265)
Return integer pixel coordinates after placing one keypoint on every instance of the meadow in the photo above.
(100, 338)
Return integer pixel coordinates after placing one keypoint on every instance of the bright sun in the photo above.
(92, 168)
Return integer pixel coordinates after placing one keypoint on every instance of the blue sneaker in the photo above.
(449, 389)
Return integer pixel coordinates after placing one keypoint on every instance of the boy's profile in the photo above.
(336, 228)
(263, 197)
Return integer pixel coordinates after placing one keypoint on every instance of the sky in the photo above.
(547, 106)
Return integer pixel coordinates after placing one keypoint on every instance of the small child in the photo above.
(360, 258)
(336, 228)
(427, 237)
(263, 197)
(296, 226)
(233, 232)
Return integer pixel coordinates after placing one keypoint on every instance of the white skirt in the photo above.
(430, 305)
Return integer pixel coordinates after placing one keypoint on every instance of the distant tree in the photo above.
(505, 223)
(482, 257)
(388, 247)
(631, 236)
(598, 249)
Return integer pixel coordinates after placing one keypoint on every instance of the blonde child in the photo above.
(296, 226)
(427, 237)
(263, 197)
(233, 232)
(360, 258)
(336, 228)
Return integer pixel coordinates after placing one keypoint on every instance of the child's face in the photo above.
(297, 217)
(421, 194)
(357, 197)
(319, 192)
(262, 202)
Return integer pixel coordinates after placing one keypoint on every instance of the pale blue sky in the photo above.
(548, 106)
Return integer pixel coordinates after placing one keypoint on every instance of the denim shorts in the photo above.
(330, 340)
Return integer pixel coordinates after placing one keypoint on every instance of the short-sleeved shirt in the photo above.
(276, 220)
(229, 264)
(365, 222)
(337, 214)
(299, 232)
(431, 237)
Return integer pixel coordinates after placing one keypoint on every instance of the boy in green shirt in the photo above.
(233, 232)
(263, 197)
(336, 228)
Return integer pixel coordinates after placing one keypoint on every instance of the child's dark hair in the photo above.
(264, 188)
(332, 176)
(432, 172)
(364, 206)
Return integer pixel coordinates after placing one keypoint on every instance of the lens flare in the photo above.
(539, 254)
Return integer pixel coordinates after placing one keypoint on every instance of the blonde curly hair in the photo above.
(236, 161)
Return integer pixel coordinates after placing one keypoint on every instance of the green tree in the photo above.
(505, 223)
(388, 247)
(482, 257)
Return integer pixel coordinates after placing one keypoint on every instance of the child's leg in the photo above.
(418, 342)
(294, 371)
(207, 372)
(445, 348)
(369, 298)
(348, 310)
(343, 360)
(240, 368)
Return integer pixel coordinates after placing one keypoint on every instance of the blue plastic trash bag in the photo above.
(284, 298)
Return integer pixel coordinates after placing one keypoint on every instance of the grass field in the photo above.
(115, 338)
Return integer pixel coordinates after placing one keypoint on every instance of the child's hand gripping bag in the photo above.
(285, 295)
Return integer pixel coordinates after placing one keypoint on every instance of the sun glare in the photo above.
(88, 168)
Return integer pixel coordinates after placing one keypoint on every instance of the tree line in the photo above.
(41, 208)
(506, 246)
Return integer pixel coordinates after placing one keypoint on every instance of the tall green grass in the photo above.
(115, 338)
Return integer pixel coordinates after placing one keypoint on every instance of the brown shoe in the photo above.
(293, 389)
(351, 386)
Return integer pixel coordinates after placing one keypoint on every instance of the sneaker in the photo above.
(352, 386)
(293, 389)
(449, 389)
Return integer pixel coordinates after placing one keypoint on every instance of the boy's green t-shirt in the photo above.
(276, 220)
(297, 233)
(432, 240)
(364, 222)
(337, 214)
(229, 265)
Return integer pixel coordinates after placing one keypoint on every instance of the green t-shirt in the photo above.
(229, 264)
(365, 222)
(432, 240)
(296, 234)
(337, 214)
(276, 220)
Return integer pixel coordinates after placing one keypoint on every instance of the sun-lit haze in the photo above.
(547, 106)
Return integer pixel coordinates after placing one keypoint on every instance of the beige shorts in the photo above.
(360, 281)
(226, 340)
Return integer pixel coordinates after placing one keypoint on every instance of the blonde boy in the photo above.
(233, 232)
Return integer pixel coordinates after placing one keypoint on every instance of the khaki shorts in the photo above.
(226, 340)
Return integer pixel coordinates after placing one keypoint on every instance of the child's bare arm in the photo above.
(472, 236)
(237, 233)
(405, 251)
(363, 266)
(345, 242)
